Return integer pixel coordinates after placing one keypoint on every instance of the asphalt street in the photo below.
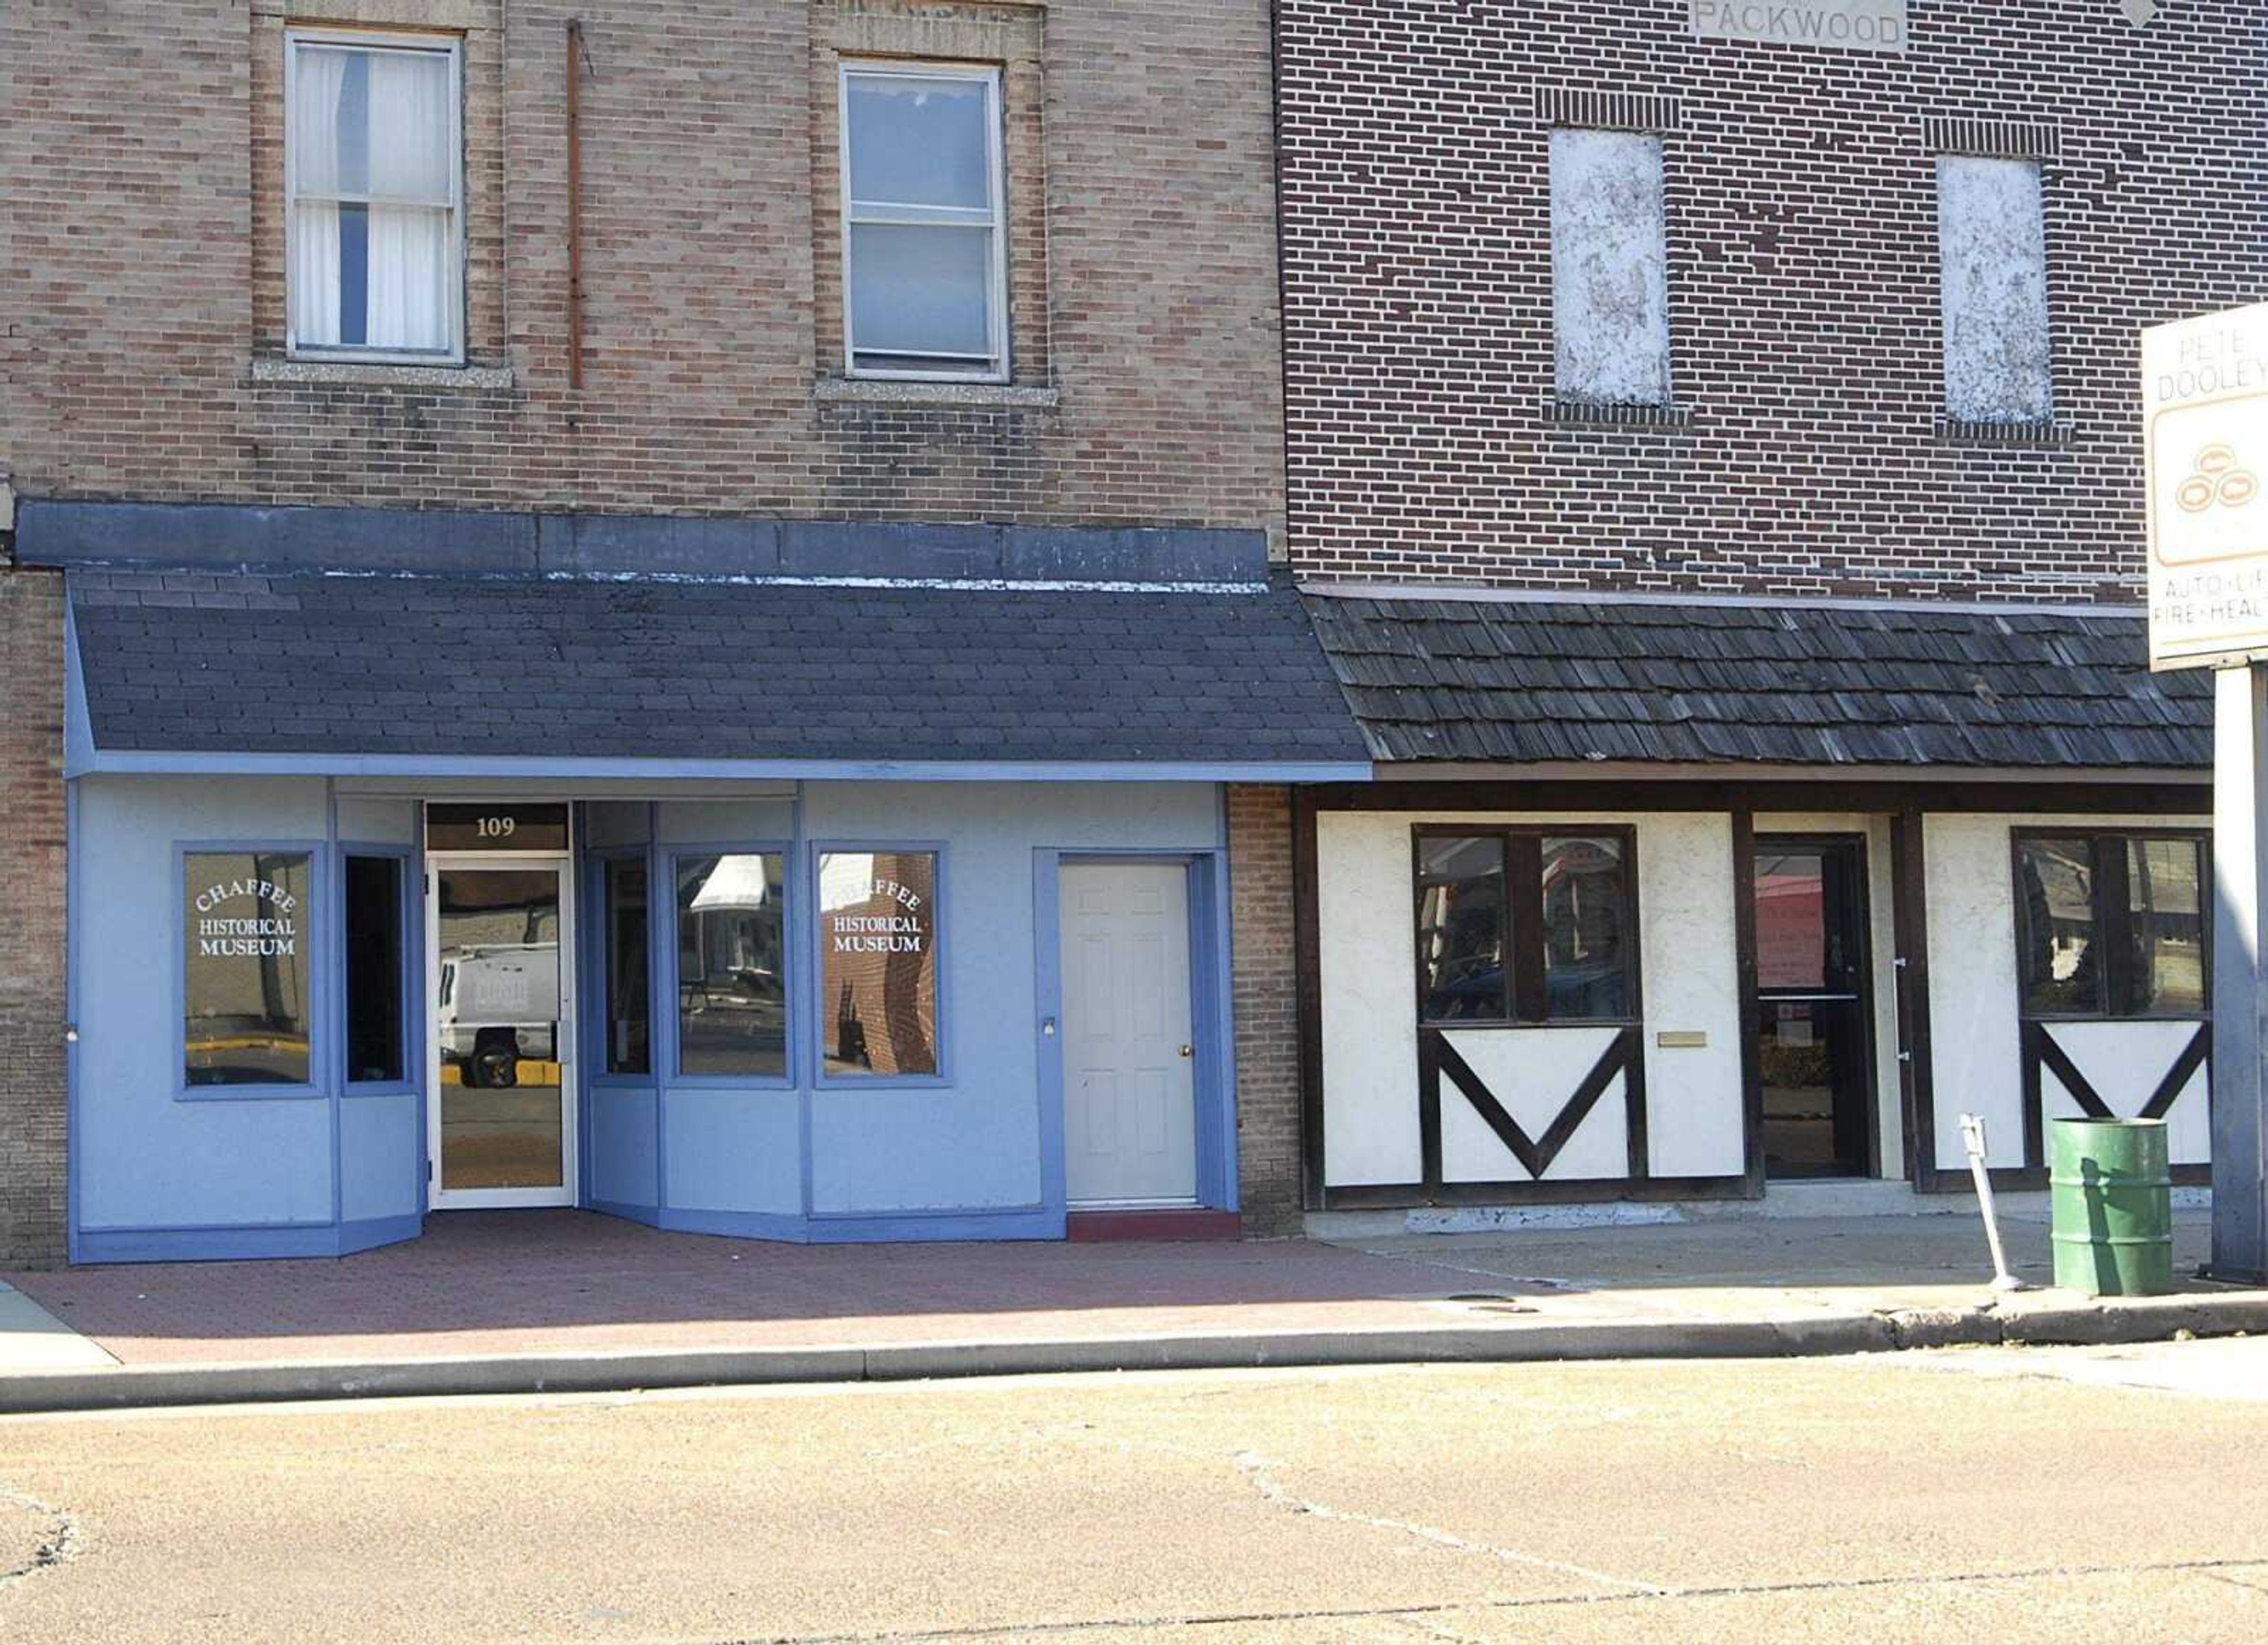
(2004, 1495)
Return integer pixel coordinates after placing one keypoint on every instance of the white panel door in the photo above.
(1129, 1085)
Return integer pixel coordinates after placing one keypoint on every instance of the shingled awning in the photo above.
(1543, 680)
(230, 671)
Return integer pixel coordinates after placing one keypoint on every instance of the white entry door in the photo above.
(1129, 1074)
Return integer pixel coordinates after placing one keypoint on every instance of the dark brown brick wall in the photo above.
(32, 1105)
(143, 150)
(1263, 985)
(1803, 289)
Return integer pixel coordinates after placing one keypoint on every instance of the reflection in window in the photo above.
(630, 1023)
(247, 968)
(732, 970)
(1790, 899)
(373, 944)
(1461, 928)
(1585, 962)
(877, 954)
(2166, 903)
(2060, 961)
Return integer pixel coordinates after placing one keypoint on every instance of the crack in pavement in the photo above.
(1255, 1468)
(1416, 1613)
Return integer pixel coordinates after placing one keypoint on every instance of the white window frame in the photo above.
(453, 300)
(996, 368)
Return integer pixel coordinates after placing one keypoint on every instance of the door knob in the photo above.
(1185, 1051)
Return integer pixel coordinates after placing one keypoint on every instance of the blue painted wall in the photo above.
(966, 1157)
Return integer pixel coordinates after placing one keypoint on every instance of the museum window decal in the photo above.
(246, 971)
(877, 963)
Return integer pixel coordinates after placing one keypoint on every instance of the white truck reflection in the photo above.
(498, 1005)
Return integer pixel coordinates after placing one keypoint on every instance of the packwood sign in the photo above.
(2204, 441)
(1851, 25)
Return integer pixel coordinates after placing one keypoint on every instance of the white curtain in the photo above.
(409, 162)
(317, 79)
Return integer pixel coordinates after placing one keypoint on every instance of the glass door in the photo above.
(502, 1121)
(1814, 1039)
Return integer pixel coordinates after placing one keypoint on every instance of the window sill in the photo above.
(877, 390)
(1953, 430)
(370, 374)
(1608, 415)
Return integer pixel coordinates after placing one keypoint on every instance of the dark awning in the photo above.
(1546, 680)
(216, 671)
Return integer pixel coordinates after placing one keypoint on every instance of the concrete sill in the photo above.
(864, 391)
(359, 374)
(1601, 414)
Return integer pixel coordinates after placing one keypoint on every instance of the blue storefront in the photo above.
(876, 905)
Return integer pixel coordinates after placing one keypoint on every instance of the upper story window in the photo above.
(1993, 259)
(1609, 269)
(924, 253)
(373, 185)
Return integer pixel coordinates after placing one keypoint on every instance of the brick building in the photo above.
(1715, 468)
(808, 474)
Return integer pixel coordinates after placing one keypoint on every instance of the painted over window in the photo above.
(1609, 269)
(1993, 259)
(248, 970)
(878, 937)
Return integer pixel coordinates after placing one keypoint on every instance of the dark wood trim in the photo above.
(1307, 993)
(2196, 1055)
(1584, 1191)
(2043, 1056)
(2026, 1179)
(1637, 1147)
(1744, 991)
(1523, 904)
(2046, 798)
(1438, 1058)
(1910, 935)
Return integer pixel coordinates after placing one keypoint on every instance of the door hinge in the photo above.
(428, 1170)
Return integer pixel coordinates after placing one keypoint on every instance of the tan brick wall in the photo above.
(1263, 985)
(144, 266)
(32, 1109)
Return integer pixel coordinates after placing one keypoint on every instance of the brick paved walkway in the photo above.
(558, 1281)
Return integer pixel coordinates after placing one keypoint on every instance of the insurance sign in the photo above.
(2204, 431)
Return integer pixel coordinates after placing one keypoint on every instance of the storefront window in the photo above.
(373, 913)
(731, 965)
(629, 1017)
(1461, 929)
(877, 963)
(1585, 929)
(2112, 925)
(1516, 925)
(248, 973)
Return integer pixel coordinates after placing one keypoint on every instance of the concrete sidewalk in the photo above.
(516, 1301)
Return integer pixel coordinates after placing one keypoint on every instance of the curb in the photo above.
(2142, 1319)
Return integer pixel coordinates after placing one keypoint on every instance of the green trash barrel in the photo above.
(2110, 1201)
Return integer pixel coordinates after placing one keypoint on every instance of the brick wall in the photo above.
(1801, 205)
(143, 151)
(32, 921)
(1264, 982)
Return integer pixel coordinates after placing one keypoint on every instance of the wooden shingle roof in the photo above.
(1529, 680)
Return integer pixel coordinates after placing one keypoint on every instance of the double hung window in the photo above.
(924, 262)
(373, 189)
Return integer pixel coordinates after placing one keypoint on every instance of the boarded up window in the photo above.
(1993, 257)
(1609, 270)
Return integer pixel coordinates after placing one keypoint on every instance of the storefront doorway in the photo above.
(501, 1125)
(1815, 1043)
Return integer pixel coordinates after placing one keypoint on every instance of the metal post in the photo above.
(1972, 1138)
(2240, 987)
